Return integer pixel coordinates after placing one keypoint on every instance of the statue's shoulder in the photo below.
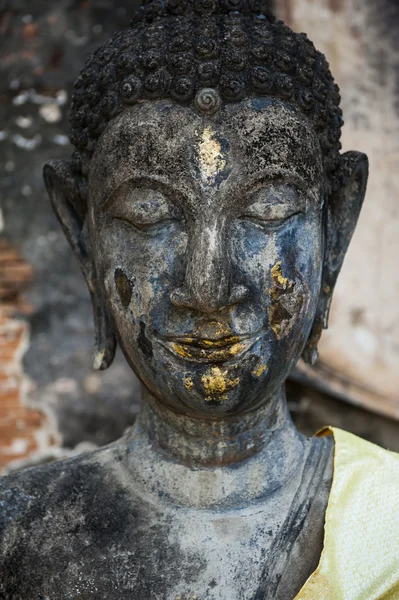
(42, 492)
(66, 517)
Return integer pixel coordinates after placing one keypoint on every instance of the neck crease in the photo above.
(197, 441)
(229, 462)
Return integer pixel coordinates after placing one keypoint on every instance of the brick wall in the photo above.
(24, 431)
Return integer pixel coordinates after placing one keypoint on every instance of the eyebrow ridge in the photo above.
(143, 178)
(279, 176)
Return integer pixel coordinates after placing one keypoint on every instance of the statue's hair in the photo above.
(176, 48)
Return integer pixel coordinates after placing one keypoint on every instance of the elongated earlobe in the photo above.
(342, 215)
(67, 190)
(104, 339)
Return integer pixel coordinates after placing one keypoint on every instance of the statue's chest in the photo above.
(229, 551)
(127, 548)
(168, 555)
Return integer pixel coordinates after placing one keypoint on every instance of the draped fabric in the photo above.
(360, 558)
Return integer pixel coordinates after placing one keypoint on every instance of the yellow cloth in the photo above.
(360, 559)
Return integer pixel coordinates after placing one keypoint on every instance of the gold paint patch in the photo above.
(210, 154)
(277, 274)
(217, 382)
(214, 352)
(258, 372)
(182, 351)
(232, 339)
(188, 383)
(284, 301)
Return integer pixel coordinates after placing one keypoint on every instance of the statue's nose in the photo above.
(207, 286)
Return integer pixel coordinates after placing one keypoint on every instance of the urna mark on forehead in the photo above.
(162, 140)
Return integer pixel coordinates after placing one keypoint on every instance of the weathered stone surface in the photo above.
(122, 535)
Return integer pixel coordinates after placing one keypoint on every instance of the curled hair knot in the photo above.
(207, 101)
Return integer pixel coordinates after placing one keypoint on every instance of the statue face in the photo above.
(207, 236)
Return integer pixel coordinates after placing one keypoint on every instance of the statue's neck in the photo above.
(197, 441)
(262, 449)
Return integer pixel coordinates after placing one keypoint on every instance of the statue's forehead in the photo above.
(170, 141)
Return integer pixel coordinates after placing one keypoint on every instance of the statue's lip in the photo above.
(210, 350)
(208, 342)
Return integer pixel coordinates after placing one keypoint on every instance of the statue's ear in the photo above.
(67, 190)
(342, 215)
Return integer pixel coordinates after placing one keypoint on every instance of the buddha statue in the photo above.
(210, 209)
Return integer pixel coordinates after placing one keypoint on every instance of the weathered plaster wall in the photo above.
(24, 431)
(360, 351)
(44, 44)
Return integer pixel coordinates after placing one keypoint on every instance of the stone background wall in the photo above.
(360, 352)
(51, 402)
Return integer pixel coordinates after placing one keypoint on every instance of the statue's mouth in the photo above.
(211, 350)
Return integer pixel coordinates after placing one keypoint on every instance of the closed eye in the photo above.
(274, 205)
(144, 209)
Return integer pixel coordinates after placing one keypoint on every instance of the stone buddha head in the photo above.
(207, 201)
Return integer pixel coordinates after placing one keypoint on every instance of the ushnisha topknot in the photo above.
(205, 53)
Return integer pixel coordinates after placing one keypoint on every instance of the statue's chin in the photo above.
(225, 380)
(213, 388)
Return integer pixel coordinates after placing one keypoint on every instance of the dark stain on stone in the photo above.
(143, 341)
(382, 26)
(261, 103)
(124, 286)
(357, 316)
(336, 5)
(280, 313)
(93, 513)
(214, 402)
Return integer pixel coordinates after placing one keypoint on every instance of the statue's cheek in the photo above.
(286, 301)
